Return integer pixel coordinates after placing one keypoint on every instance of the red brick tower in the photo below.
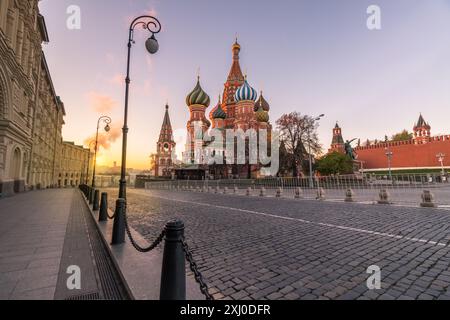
(422, 131)
(337, 144)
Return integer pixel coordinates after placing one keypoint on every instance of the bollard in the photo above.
(209, 189)
(249, 191)
(173, 273)
(225, 190)
(427, 200)
(205, 189)
(118, 233)
(298, 193)
(279, 193)
(349, 195)
(96, 204)
(383, 197)
(320, 194)
(91, 195)
(217, 190)
(262, 192)
(103, 213)
(235, 190)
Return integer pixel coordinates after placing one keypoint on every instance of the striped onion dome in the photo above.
(245, 92)
(198, 96)
(218, 112)
(263, 102)
(261, 115)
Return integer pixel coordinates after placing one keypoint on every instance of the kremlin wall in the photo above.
(420, 152)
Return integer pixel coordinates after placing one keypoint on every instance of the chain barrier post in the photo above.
(103, 214)
(118, 233)
(173, 275)
(96, 204)
(91, 195)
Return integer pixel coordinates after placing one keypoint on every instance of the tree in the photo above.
(295, 131)
(285, 160)
(335, 163)
(402, 136)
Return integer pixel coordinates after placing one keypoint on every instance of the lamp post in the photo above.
(309, 147)
(152, 25)
(441, 156)
(107, 121)
(389, 155)
(88, 161)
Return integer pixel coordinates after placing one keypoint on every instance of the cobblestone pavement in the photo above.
(268, 248)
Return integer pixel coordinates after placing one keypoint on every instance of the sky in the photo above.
(309, 56)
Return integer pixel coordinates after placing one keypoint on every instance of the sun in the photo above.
(101, 160)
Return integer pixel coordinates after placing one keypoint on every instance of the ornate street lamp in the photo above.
(107, 121)
(309, 146)
(88, 161)
(152, 25)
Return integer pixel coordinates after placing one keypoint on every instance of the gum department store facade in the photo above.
(32, 152)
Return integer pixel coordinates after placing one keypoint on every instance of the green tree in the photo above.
(298, 133)
(402, 136)
(335, 163)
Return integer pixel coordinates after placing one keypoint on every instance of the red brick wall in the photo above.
(406, 154)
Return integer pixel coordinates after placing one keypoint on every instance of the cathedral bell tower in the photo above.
(165, 148)
(234, 81)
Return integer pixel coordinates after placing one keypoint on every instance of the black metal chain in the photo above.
(158, 240)
(110, 217)
(194, 268)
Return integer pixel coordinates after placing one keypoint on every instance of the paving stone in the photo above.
(316, 260)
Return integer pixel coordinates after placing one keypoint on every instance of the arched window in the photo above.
(16, 164)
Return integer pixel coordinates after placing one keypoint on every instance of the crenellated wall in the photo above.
(406, 154)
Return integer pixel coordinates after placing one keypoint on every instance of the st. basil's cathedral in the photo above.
(239, 108)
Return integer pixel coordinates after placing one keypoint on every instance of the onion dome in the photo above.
(218, 112)
(245, 92)
(264, 104)
(236, 45)
(198, 96)
(261, 115)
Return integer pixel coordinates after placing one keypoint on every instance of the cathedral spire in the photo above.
(166, 134)
(236, 72)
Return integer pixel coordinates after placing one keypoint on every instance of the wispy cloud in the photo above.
(101, 103)
(106, 139)
(117, 79)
